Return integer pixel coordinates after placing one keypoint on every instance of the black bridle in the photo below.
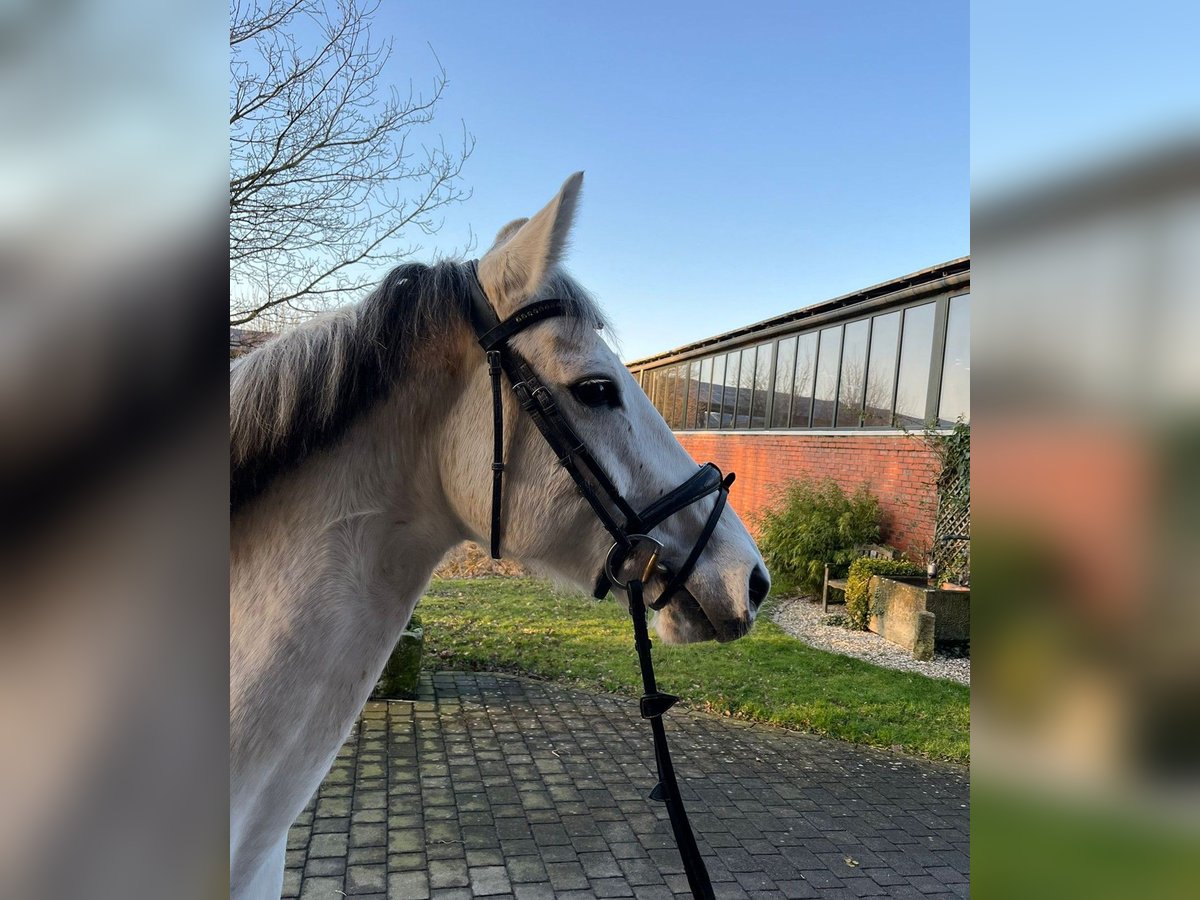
(633, 549)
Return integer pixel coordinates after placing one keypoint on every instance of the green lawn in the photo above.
(1077, 847)
(528, 627)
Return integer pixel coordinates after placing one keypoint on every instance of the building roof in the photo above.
(934, 279)
(243, 340)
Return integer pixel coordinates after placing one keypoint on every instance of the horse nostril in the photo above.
(760, 584)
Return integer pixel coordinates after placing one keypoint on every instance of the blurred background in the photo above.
(1085, 237)
(113, 448)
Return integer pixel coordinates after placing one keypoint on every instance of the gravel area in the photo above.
(801, 618)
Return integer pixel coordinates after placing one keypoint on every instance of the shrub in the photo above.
(810, 525)
(858, 595)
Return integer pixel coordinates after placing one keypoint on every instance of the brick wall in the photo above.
(899, 469)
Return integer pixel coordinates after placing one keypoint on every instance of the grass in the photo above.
(528, 627)
(1073, 847)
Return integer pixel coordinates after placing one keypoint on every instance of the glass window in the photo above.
(806, 368)
(666, 380)
(828, 357)
(678, 396)
(652, 387)
(745, 389)
(681, 410)
(681, 372)
(956, 369)
(716, 392)
(881, 370)
(692, 393)
(703, 392)
(762, 387)
(785, 373)
(677, 393)
(729, 394)
(854, 374)
(916, 348)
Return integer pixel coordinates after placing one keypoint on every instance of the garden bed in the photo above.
(803, 619)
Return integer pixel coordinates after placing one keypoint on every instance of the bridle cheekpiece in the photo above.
(628, 528)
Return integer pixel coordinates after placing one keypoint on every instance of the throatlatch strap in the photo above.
(654, 704)
(494, 369)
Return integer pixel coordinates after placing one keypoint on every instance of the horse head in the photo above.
(547, 522)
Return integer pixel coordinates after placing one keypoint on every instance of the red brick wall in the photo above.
(899, 469)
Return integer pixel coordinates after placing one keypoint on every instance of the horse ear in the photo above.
(526, 250)
(506, 232)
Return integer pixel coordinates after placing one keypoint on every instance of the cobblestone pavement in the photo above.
(491, 786)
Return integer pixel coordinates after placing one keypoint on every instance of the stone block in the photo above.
(916, 616)
(923, 642)
(403, 668)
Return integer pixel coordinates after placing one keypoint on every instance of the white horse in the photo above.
(360, 446)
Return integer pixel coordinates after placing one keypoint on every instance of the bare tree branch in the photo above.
(330, 170)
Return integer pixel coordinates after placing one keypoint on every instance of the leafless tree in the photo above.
(328, 172)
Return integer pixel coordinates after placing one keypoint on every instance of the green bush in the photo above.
(810, 525)
(858, 596)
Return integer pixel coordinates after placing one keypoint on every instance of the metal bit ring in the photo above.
(634, 540)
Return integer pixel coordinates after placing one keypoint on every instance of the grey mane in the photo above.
(301, 391)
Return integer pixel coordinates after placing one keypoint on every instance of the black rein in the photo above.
(632, 545)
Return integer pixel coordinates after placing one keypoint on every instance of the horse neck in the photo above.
(326, 568)
(376, 492)
(327, 565)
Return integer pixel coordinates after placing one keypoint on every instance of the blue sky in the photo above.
(1058, 87)
(742, 160)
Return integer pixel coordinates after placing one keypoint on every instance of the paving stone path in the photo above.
(491, 786)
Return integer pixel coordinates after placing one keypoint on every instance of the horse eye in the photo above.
(596, 392)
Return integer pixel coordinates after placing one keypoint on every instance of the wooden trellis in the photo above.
(952, 534)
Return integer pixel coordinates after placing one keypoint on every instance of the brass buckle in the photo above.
(634, 541)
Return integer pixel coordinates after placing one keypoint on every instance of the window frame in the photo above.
(793, 339)
(653, 379)
(899, 313)
(937, 402)
(837, 409)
